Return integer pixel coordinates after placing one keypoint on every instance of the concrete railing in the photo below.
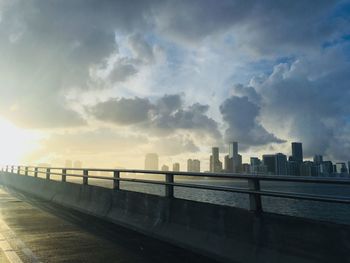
(254, 191)
(224, 233)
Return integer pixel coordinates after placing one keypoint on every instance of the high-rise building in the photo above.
(275, 163)
(215, 163)
(151, 161)
(318, 159)
(306, 168)
(233, 161)
(193, 165)
(176, 167)
(246, 168)
(256, 166)
(341, 168)
(189, 165)
(281, 164)
(232, 149)
(269, 160)
(196, 166)
(293, 168)
(297, 152)
(327, 168)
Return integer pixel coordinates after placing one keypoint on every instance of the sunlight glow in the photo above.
(15, 143)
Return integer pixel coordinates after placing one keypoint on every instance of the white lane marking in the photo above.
(8, 251)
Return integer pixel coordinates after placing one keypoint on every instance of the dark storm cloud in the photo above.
(241, 116)
(166, 115)
(263, 26)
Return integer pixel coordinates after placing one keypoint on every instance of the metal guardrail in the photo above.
(254, 191)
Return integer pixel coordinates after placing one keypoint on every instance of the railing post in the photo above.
(36, 172)
(7, 168)
(254, 199)
(64, 175)
(85, 178)
(169, 189)
(26, 170)
(18, 169)
(11, 168)
(116, 185)
(48, 173)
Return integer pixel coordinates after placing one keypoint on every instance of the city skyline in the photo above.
(273, 164)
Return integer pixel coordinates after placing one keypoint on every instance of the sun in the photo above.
(15, 143)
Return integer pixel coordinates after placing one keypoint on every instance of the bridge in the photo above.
(58, 214)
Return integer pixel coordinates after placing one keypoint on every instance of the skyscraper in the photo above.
(281, 164)
(233, 161)
(232, 149)
(269, 161)
(215, 163)
(176, 167)
(151, 161)
(189, 165)
(196, 165)
(318, 159)
(193, 165)
(297, 152)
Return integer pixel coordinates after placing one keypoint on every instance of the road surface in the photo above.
(33, 230)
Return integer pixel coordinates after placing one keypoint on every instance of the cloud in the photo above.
(141, 49)
(267, 27)
(123, 111)
(165, 116)
(241, 116)
(307, 100)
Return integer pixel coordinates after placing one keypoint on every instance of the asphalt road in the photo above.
(39, 231)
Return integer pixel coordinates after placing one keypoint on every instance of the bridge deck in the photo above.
(38, 231)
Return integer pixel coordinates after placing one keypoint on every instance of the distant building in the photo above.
(232, 149)
(327, 168)
(297, 152)
(246, 168)
(318, 159)
(215, 163)
(233, 161)
(341, 168)
(196, 165)
(269, 160)
(256, 166)
(275, 163)
(349, 167)
(193, 165)
(306, 168)
(293, 168)
(176, 167)
(281, 164)
(165, 168)
(151, 161)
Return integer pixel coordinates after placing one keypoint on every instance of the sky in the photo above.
(106, 82)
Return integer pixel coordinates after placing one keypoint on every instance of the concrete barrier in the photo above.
(224, 233)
